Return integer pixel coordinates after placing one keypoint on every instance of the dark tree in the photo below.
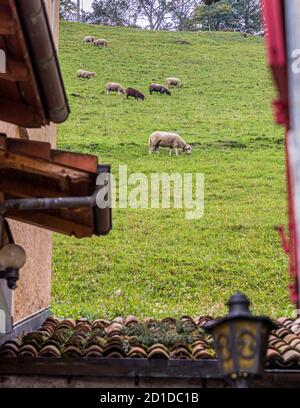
(216, 17)
(237, 15)
(248, 15)
(156, 12)
(68, 10)
(114, 12)
(181, 12)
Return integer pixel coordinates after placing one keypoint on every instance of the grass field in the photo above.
(161, 263)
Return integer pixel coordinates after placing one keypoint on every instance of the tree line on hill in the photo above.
(175, 15)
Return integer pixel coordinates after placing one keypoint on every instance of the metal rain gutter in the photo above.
(40, 44)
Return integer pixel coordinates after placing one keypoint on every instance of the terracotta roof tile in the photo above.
(158, 351)
(93, 351)
(130, 337)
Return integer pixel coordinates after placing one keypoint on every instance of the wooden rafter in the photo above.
(7, 26)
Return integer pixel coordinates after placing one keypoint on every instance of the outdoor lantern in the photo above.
(12, 259)
(241, 341)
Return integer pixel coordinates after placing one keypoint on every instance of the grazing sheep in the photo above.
(173, 82)
(101, 42)
(134, 93)
(167, 139)
(159, 88)
(81, 73)
(88, 39)
(114, 87)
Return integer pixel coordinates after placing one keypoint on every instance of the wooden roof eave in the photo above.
(25, 24)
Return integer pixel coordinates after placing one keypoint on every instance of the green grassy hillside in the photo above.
(155, 262)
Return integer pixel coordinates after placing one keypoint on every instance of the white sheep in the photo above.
(173, 82)
(167, 139)
(101, 42)
(81, 73)
(114, 87)
(88, 39)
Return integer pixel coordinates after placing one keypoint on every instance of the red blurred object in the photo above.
(273, 15)
(276, 42)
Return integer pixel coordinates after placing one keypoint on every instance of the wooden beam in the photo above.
(111, 367)
(15, 189)
(69, 179)
(19, 114)
(85, 162)
(6, 21)
(16, 70)
(56, 222)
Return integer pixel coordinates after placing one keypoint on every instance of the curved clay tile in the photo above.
(197, 347)
(134, 340)
(169, 320)
(98, 327)
(117, 337)
(278, 344)
(83, 323)
(33, 343)
(71, 351)
(113, 350)
(34, 338)
(274, 358)
(75, 341)
(137, 352)
(50, 328)
(188, 320)
(287, 323)
(131, 320)
(288, 338)
(295, 343)
(283, 320)
(203, 354)
(51, 343)
(66, 324)
(49, 351)
(95, 341)
(18, 342)
(113, 329)
(295, 327)
(275, 340)
(180, 343)
(272, 337)
(282, 348)
(113, 345)
(199, 342)
(181, 353)
(290, 356)
(201, 320)
(52, 320)
(43, 332)
(114, 340)
(149, 320)
(282, 331)
(158, 351)
(10, 349)
(82, 330)
(60, 337)
(102, 322)
(28, 350)
(46, 333)
(93, 351)
(119, 320)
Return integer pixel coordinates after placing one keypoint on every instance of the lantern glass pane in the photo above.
(247, 346)
(223, 346)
